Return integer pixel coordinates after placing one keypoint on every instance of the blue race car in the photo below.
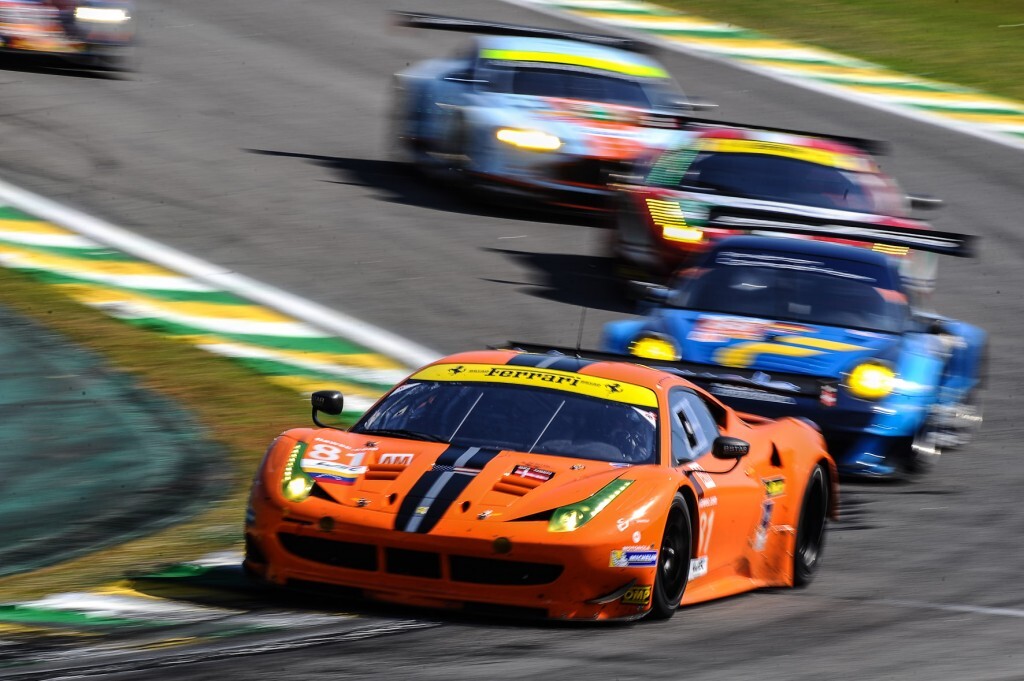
(535, 113)
(782, 326)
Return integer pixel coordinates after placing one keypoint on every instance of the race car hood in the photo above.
(420, 484)
(766, 345)
(595, 129)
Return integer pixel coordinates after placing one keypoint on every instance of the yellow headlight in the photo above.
(654, 348)
(687, 234)
(871, 381)
(529, 139)
(298, 488)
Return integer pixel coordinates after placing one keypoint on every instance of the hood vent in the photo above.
(383, 471)
(515, 485)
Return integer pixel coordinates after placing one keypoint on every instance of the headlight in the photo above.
(686, 234)
(296, 485)
(575, 516)
(529, 139)
(871, 381)
(105, 15)
(654, 348)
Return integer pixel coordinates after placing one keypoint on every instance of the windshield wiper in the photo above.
(402, 432)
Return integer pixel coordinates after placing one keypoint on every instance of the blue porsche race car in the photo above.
(798, 327)
(535, 113)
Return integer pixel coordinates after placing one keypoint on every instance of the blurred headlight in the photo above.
(654, 348)
(106, 15)
(574, 516)
(686, 234)
(871, 381)
(296, 485)
(529, 139)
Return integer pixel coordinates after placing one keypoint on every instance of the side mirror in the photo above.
(642, 290)
(729, 448)
(328, 401)
(925, 202)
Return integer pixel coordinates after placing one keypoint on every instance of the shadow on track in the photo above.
(578, 280)
(401, 183)
(56, 66)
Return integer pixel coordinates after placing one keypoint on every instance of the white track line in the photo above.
(314, 314)
(919, 116)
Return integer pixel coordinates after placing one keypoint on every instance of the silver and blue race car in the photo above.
(824, 330)
(537, 113)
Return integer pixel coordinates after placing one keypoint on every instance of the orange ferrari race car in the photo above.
(542, 484)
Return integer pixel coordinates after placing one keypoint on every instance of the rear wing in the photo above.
(718, 380)
(873, 147)
(917, 238)
(443, 23)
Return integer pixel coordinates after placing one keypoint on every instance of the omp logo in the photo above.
(534, 375)
(396, 459)
(637, 595)
(774, 487)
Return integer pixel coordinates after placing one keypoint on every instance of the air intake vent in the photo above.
(383, 471)
(513, 484)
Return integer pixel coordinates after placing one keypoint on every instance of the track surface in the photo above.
(253, 136)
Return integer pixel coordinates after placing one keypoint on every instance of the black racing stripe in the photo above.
(414, 499)
(550, 362)
(482, 458)
(444, 500)
(450, 456)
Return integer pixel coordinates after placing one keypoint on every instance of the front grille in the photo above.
(508, 572)
(413, 563)
(336, 553)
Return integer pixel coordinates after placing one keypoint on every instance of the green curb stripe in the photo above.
(28, 615)
(781, 57)
(283, 349)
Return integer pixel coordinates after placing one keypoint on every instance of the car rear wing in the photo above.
(922, 238)
(873, 147)
(721, 381)
(444, 23)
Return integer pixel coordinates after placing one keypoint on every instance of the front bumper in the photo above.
(499, 570)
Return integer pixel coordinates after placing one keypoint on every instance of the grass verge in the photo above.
(240, 411)
(976, 43)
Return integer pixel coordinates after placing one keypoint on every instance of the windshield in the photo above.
(517, 418)
(777, 178)
(567, 83)
(801, 288)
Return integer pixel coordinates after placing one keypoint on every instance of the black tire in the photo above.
(810, 532)
(673, 570)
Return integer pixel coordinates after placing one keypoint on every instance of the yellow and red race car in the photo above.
(542, 484)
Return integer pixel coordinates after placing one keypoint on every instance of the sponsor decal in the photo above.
(569, 381)
(721, 329)
(774, 487)
(637, 595)
(395, 459)
(761, 534)
(829, 395)
(531, 473)
(702, 477)
(745, 393)
(636, 537)
(707, 502)
(331, 471)
(622, 524)
(698, 567)
(634, 556)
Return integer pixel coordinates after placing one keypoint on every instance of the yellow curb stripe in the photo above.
(48, 261)
(97, 295)
(361, 360)
(33, 226)
(306, 385)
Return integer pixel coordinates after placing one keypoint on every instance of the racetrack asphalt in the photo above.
(254, 135)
